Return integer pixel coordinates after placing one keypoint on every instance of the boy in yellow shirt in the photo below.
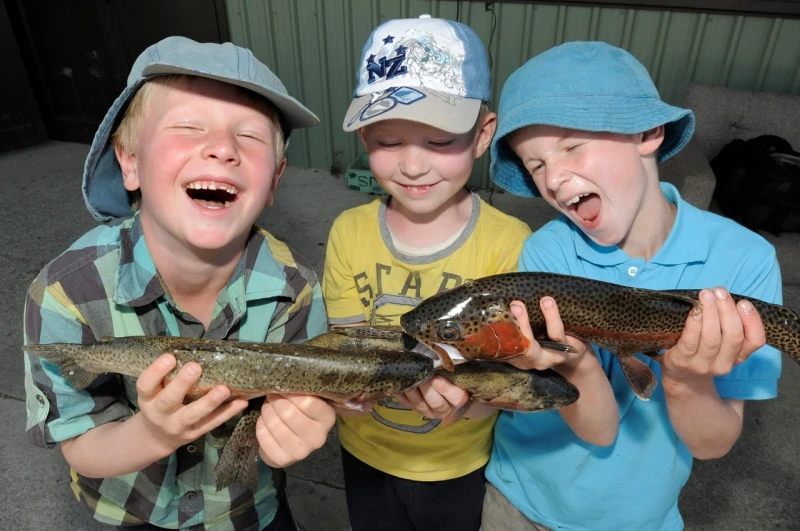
(420, 111)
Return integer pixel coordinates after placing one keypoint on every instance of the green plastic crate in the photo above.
(360, 177)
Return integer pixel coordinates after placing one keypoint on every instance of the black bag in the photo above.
(758, 183)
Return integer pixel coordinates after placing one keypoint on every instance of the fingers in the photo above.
(291, 427)
(434, 399)
(173, 394)
(717, 338)
(552, 319)
(150, 381)
(755, 336)
(536, 357)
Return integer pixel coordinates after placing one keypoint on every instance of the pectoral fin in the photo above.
(239, 459)
(555, 345)
(639, 376)
(456, 414)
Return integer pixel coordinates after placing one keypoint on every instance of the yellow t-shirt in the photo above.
(367, 279)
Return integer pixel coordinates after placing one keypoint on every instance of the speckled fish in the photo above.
(474, 320)
(497, 385)
(250, 370)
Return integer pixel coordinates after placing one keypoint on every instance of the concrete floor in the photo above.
(755, 487)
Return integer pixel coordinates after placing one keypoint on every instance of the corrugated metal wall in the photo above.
(314, 46)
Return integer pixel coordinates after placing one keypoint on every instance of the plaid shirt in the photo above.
(106, 284)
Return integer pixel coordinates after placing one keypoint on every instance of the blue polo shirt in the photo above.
(561, 482)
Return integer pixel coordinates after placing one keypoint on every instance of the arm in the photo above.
(99, 434)
(594, 417)
(713, 342)
(291, 427)
(162, 425)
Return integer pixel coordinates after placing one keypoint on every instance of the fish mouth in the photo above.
(212, 194)
(453, 352)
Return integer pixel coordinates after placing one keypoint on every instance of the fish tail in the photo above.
(239, 459)
(782, 327)
(65, 356)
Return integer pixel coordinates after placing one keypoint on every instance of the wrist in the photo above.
(150, 437)
(685, 385)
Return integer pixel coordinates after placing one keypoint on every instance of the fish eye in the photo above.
(449, 332)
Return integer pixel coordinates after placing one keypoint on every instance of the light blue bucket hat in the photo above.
(586, 86)
(103, 192)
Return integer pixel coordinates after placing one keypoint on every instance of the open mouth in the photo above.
(585, 206)
(212, 195)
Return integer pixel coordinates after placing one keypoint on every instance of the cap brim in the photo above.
(294, 113)
(456, 116)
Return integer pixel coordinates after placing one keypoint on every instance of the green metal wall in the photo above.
(314, 47)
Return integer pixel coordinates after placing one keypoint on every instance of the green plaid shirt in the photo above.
(106, 284)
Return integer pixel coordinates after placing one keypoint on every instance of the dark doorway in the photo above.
(77, 53)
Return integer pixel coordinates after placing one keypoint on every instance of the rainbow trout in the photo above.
(497, 385)
(249, 370)
(474, 320)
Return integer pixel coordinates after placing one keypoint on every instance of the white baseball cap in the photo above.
(428, 70)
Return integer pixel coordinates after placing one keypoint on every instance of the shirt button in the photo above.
(191, 495)
(191, 448)
(632, 271)
(40, 399)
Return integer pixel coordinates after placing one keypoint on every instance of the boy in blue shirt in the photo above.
(583, 126)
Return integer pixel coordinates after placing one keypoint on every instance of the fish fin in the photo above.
(639, 376)
(456, 414)
(677, 295)
(239, 459)
(63, 356)
(555, 345)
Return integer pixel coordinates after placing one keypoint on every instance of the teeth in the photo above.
(575, 199)
(205, 185)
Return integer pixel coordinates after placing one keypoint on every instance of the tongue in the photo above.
(589, 207)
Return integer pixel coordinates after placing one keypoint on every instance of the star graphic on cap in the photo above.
(401, 50)
(388, 39)
(371, 59)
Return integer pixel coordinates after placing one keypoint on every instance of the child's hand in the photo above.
(291, 427)
(537, 357)
(434, 399)
(171, 423)
(715, 340)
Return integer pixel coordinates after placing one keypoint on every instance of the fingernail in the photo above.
(166, 360)
(438, 384)
(547, 303)
(746, 307)
(193, 369)
(707, 296)
(720, 293)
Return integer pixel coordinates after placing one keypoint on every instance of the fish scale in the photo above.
(476, 320)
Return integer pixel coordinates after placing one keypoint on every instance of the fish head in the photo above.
(479, 326)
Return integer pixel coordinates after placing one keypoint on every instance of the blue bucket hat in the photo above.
(103, 192)
(586, 86)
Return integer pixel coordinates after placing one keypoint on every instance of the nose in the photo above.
(555, 176)
(221, 145)
(413, 162)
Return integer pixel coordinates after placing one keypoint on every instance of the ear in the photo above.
(651, 140)
(485, 133)
(276, 178)
(362, 134)
(127, 163)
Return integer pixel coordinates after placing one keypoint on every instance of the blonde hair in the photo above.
(126, 136)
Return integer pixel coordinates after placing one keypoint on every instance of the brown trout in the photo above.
(249, 370)
(475, 320)
(497, 385)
